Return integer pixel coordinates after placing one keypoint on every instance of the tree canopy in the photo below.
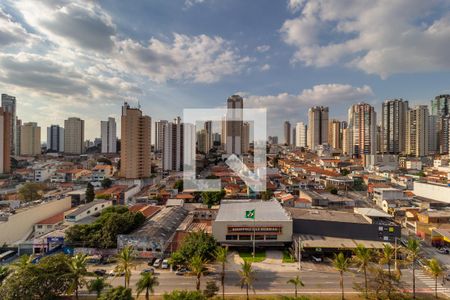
(195, 244)
(212, 198)
(31, 191)
(102, 233)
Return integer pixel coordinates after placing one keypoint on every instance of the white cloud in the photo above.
(263, 48)
(187, 58)
(380, 38)
(189, 3)
(295, 5)
(11, 32)
(285, 106)
(265, 67)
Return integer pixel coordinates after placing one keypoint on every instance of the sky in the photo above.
(85, 58)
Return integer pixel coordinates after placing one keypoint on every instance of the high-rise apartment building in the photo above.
(362, 129)
(159, 136)
(201, 141)
(300, 135)
(18, 125)
(209, 135)
(393, 126)
(317, 126)
(417, 131)
(30, 139)
(335, 134)
(55, 138)
(173, 146)
(74, 136)
(108, 136)
(234, 123)
(434, 124)
(9, 105)
(287, 133)
(440, 105)
(5, 141)
(444, 132)
(245, 137)
(136, 138)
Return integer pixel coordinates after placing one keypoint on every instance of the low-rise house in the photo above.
(93, 208)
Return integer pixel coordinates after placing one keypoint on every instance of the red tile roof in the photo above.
(58, 218)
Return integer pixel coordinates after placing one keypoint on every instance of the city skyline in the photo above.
(124, 56)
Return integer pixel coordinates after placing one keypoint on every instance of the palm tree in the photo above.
(222, 257)
(435, 268)
(362, 257)
(413, 250)
(147, 282)
(197, 266)
(247, 275)
(97, 285)
(4, 272)
(386, 259)
(296, 281)
(125, 263)
(78, 270)
(341, 264)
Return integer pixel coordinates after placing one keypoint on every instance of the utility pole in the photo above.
(254, 236)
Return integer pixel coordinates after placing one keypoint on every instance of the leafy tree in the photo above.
(266, 195)
(435, 269)
(211, 289)
(381, 285)
(78, 271)
(118, 293)
(146, 282)
(184, 295)
(212, 198)
(4, 272)
(345, 172)
(334, 191)
(31, 191)
(197, 266)
(247, 275)
(106, 183)
(221, 255)
(125, 263)
(22, 263)
(386, 258)
(341, 264)
(413, 250)
(362, 258)
(90, 194)
(47, 279)
(296, 281)
(195, 244)
(178, 185)
(97, 285)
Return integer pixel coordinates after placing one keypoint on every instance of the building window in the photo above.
(231, 237)
(271, 237)
(245, 237)
(259, 237)
(39, 226)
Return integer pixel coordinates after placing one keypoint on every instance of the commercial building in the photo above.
(433, 191)
(393, 126)
(201, 141)
(9, 105)
(5, 141)
(135, 154)
(209, 135)
(271, 224)
(440, 105)
(417, 131)
(317, 126)
(74, 136)
(93, 208)
(301, 135)
(30, 139)
(154, 238)
(287, 133)
(233, 125)
(55, 138)
(361, 130)
(109, 136)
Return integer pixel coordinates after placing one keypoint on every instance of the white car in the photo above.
(316, 259)
(165, 264)
(157, 263)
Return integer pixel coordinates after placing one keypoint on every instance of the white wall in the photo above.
(21, 224)
(432, 191)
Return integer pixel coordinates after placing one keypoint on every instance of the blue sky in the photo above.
(78, 58)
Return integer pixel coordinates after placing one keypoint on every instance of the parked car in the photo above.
(151, 262)
(112, 273)
(316, 259)
(181, 272)
(165, 264)
(157, 263)
(148, 270)
(443, 251)
(100, 272)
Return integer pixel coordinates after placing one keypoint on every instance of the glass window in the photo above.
(259, 237)
(244, 237)
(271, 237)
(231, 237)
